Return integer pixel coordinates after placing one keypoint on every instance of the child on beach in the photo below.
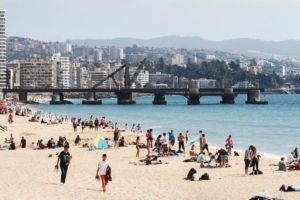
(102, 167)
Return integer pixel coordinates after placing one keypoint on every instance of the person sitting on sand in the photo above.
(147, 161)
(282, 165)
(12, 146)
(291, 188)
(41, 145)
(212, 163)
(43, 121)
(77, 140)
(193, 176)
(201, 159)
(122, 142)
(291, 161)
(192, 151)
(32, 146)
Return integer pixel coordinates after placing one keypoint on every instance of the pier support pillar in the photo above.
(253, 97)
(23, 96)
(159, 99)
(125, 98)
(194, 97)
(92, 99)
(58, 98)
(228, 97)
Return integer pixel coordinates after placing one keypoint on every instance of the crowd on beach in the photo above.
(157, 147)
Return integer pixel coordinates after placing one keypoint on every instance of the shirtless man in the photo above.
(203, 143)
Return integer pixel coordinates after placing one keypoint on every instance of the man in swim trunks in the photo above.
(203, 143)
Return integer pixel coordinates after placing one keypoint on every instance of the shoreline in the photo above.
(265, 154)
(34, 169)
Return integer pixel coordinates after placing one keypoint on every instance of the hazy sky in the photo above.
(99, 19)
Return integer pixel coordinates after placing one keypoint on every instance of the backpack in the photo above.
(204, 177)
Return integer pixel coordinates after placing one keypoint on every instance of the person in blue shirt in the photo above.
(171, 136)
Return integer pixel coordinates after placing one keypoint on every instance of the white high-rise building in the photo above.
(283, 71)
(63, 70)
(2, 48)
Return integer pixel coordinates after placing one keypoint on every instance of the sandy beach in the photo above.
(29, 174)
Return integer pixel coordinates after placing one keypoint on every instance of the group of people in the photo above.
(93, 124)
(103, 170)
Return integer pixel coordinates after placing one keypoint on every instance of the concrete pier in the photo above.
(253, 97)
(58, 98)
(125, 98)
(23, 96)
(92, 99)
(159, 99)
(228, 97)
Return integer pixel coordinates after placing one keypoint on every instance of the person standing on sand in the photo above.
(204, 144)
(186, 137)
(10, 118)
(64, 160)
(247, 160)
(181, 143)
(102, 167)
(116, 137)
(137, 145)
(229, 145)
(254, 160)
(74, 125)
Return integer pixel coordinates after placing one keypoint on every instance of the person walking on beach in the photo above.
(247, 160)
(181, 142)
(204, 144)
(229, 145)
(64, 159)
(102, 167)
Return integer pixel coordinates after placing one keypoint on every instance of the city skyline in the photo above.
(215, 20)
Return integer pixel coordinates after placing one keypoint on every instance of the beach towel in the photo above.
(196, 139)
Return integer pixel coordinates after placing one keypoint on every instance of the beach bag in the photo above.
(204, 177)
(108, 174)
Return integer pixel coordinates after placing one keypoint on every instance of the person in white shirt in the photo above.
(102, 167)
(212, 163)
(291, 158)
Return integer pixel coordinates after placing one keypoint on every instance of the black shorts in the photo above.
(247, 163)
(205, 147)
(116, 138)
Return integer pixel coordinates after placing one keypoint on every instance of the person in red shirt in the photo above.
(229, 144)
(10, 118)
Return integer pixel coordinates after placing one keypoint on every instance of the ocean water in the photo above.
(274, 128)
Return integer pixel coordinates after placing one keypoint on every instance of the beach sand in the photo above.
(29, 174)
